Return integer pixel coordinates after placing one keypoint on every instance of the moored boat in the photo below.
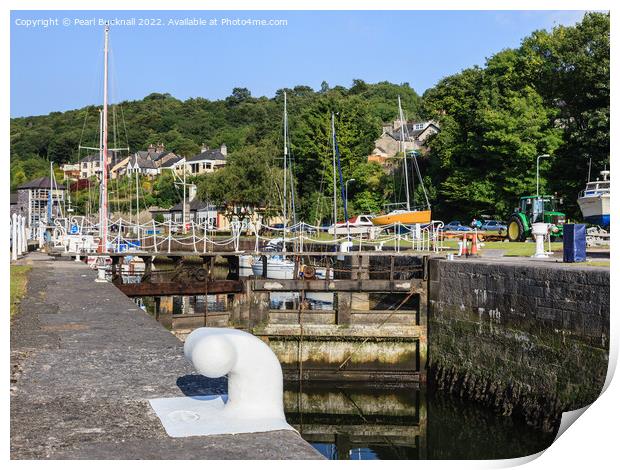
(404, 217)
(594, 201)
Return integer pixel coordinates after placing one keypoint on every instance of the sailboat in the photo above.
(104, 245)
(408, 215)
(278, 265)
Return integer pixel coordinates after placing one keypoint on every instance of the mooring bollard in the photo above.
(101, 273)
(254, 372)
(539, 230)
(255, 387)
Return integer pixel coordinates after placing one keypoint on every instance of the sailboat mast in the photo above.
(103, 209)
(50, 200)
(402, 143)
(285, 158)
(334, 175)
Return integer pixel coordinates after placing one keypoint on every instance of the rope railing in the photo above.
(161, 236)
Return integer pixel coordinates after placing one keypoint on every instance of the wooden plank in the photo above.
(153, 289)
(344, 285)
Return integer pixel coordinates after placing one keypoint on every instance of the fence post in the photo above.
(24, 235)
(169, 233)
(18, 239)
(118, 237)
(14, 237)
(154, 236)
(194, 237)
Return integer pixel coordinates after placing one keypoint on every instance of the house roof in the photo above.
(40, 183)
(152, 155)
(410, 130)
(90, 158)
(194, 205)
(210, 154)
(159, 156)
(171, 162)
(95, 157)
(137, 161)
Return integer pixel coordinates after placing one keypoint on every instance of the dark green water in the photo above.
(360, 424)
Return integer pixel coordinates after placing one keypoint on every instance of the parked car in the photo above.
(494, 225)
(456, 226)
(303, 227)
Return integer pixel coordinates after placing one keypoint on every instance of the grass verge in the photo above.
(19, 281)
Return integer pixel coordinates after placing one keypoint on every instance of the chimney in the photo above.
(224, 149)
(160, 147)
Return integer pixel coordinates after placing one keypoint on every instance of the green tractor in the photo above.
(534, 209)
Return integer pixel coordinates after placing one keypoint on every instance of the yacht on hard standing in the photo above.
(594, 201)
(404, 213)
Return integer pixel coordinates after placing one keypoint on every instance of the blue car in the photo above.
(456, 226)
(494, 225)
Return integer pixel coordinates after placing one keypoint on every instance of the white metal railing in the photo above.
(200, 237)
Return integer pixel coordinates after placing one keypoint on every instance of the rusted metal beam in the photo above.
(153, 289)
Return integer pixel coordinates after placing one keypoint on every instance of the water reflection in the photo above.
(355, 423)
(291, 301)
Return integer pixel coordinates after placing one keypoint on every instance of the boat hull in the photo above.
(406, 218)
(276, 268)
(595, 209)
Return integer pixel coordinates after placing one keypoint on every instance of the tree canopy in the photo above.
(548, 96)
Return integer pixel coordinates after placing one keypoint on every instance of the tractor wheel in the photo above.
(516, 231)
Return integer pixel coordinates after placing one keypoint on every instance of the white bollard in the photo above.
(101, 269)
(14, 237)
(255, 388)
(254, 372)
(539, 230)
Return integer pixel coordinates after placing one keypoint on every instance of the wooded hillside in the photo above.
(550, 95)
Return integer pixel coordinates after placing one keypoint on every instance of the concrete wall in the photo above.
(528, 339)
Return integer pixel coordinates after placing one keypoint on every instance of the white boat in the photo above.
(356, 225)
(278, 267)
(245, 265)
(594, 201)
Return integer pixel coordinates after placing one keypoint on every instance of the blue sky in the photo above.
(58, 67)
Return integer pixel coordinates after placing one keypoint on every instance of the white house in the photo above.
(207, 161)
(391, 141)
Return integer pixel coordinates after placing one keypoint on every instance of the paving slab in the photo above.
(85, 360)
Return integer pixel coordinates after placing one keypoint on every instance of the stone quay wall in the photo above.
(528, 339)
